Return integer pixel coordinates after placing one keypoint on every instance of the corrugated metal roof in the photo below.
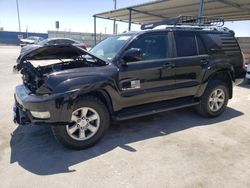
(229, 10)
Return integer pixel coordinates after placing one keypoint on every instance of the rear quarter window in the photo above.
(222, 42)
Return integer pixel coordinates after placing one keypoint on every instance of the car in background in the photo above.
(248, 73)
(54, 41)
(30, 40)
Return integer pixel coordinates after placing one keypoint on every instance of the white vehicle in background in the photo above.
(248, 73)
(30, 40)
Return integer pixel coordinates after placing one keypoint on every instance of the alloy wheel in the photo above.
(216, 100)
(85, 122)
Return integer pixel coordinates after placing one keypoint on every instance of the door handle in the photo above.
(204, 61)
(168, 65)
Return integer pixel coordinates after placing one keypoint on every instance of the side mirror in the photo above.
(133, 54)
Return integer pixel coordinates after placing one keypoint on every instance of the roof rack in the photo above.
(187, 21)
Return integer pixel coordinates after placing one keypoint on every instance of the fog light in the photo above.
(40, 115)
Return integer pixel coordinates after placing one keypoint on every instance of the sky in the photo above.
(74, 15)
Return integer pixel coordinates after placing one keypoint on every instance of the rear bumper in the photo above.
(59, 106)
(239, 76)
(248, 75)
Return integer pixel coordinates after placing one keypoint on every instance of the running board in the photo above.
(148, 109)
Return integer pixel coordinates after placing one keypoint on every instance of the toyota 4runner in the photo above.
(190, 62)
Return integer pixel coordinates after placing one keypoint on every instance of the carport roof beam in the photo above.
(158, 10)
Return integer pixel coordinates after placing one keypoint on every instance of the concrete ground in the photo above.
(173, 149)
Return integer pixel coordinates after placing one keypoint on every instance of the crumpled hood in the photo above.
(76, 78)
(30, 47)
(50, 52)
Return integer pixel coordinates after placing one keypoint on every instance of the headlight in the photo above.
(40, 115)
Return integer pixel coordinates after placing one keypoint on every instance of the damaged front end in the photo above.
(37, 65)
(43, 70)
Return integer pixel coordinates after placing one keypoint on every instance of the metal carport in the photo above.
(229, 10)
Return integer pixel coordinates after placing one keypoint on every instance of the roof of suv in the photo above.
(167, 28)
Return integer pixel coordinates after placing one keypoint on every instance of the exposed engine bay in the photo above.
(35, 76)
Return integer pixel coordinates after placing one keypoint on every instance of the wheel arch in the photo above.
(104, 97)
(225, 75)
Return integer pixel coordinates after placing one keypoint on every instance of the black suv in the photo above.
(190, 63)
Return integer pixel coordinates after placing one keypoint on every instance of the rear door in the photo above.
(144, 81)
(190, 62)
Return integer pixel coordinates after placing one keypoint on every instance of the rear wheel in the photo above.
(88, 123)
(214, 100)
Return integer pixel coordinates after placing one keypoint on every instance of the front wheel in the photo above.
(88, 123)
(214, 100)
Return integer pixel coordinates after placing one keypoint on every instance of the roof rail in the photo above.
(186, 20)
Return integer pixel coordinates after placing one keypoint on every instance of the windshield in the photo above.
(109, 47)
(43, 42)
(32, 38)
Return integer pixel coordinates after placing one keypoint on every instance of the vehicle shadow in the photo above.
(35, 149)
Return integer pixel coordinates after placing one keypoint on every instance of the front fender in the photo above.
(84, 84)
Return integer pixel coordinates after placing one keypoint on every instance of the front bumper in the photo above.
(60, 106)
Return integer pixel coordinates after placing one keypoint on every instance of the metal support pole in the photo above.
(114, 26)
(17, 7)
(95, 29)
(129, 20)
(200, 14)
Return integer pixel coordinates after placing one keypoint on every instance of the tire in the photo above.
(207, 105)
(78, 134)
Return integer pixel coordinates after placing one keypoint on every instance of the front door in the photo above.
(148, 80)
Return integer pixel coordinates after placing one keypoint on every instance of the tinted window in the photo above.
(201, 46)
(51, 42)
(67, 41)
(185, 44)
(152, 46)
(63, 41)
(212, 41)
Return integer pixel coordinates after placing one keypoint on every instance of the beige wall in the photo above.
(245, 47)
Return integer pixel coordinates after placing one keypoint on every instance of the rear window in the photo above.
(185, 44)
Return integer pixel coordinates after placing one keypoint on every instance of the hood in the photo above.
(50, 52)
(29, 47)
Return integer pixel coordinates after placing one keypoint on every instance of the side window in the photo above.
(185, 44)
(68, 41)
(201, 46)
(152, 46)
(51, 42)
(62, 41)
